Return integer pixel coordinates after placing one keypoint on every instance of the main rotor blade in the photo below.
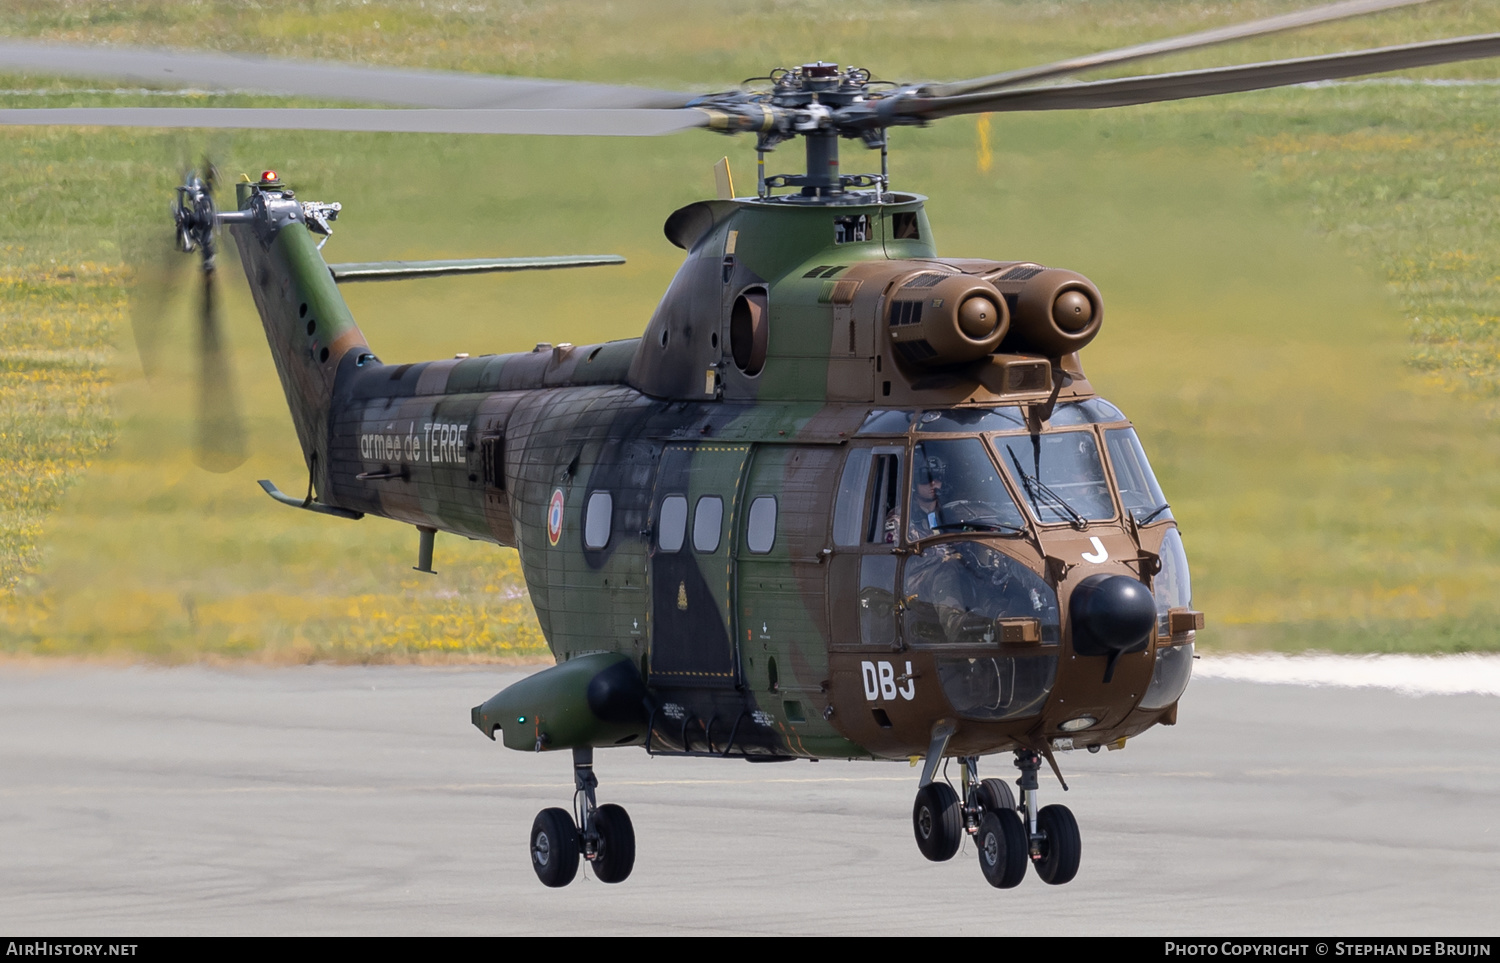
(603, 123)
(1155, 88)
(409, 270)
(325, 80)
(1157, 48)
(221, 430)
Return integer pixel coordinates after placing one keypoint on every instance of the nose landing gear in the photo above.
(603, 835)
(1007, 835)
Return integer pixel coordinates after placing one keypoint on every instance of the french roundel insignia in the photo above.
(554, 517)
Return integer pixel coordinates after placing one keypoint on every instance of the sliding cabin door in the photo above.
(696, 512)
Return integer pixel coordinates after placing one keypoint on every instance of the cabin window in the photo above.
(760, 529)
(708, 523)
(672, 526)
(598, 516)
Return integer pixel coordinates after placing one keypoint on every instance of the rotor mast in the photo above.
(817, 102)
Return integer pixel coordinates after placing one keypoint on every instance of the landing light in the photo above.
(1074, 725)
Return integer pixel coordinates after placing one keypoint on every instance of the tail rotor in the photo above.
(220, 437)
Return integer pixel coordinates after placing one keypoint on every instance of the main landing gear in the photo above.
(603, 835)
(1008, 835)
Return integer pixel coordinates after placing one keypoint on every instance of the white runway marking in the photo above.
(1409, 674)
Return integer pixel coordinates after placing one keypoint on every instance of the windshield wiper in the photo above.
(1154, 512)
(977, 525)
(1035, 487)
(940, 538)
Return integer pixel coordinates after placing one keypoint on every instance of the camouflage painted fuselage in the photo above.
(706, 499)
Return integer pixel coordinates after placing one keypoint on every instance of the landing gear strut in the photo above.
(990, 816)
(603, 835)
(1055, 843)
(937, 819)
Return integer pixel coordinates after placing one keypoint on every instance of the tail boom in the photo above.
(307, 323)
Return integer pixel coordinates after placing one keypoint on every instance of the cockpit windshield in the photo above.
(955, 488)
(1060, 474)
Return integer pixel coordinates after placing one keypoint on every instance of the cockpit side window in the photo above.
(1139, 491)
(849, 507)
(884, 523)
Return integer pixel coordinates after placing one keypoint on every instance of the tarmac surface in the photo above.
(325, 800)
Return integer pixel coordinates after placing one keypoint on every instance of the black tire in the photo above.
(937, 819)
(995, 795)
(1003, 849)
(554, 847)
(616, 844)
(1060, 846)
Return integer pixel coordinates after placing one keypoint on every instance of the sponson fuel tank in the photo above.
(785, 301)
(593, 700)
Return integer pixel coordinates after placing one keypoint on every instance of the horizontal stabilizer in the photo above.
(405, 270)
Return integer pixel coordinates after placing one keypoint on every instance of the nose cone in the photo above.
(1111, 614)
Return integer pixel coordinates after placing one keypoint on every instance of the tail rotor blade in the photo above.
(157, 278)
(221, 429)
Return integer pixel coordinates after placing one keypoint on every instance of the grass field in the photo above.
(1300, 288)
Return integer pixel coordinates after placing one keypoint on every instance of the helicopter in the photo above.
(843, 498)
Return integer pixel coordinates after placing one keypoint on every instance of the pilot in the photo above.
(929, 473)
